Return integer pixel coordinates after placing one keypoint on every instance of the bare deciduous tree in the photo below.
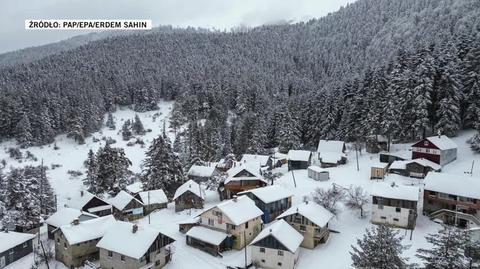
(356, 198)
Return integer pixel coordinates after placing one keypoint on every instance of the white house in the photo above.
(394, 205)
(277, 246)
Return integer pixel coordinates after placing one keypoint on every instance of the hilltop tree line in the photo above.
(279, 85)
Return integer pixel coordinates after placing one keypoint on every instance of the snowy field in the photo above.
(334, 254)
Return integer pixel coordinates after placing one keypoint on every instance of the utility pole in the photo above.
(356, 154)
(148, 206)
(294, 181)
(245, 246)
(44, 254)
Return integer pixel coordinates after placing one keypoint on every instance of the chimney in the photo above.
(76, 222)
(393, 184)
(134, 228)
(439, 134)
(81, 193)
(271, 230)
(235, 198)
(306, 202)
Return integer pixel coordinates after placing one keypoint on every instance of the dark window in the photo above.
(303, 228)
(382, 217)
(262, 250)
(395, 219)
(263, 260)
(398, 209)
(280, 253)
(110, 254)
(246, 225)
(279, 264)
(157, 263)
(122, 258)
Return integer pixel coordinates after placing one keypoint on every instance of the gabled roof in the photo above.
(330, 146)
(270, 193)
(395, 191)
(87, 230)
(67, 215)
(80, 199)
(426, 163)
(234, 171)
(153, 197)
(379, 165)
(255, 158)
(135, 188)
(207, 235)
(331, 157)
(453, 184)
(442, 142)
(9, 239)
(201, 171)
(121, 200)
(283, 232)
(299, 155)
(317, 169)
(121, 239)
(312, 211)
(191, 186)
(239, 210)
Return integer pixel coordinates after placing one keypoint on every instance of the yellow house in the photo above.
(378, 170)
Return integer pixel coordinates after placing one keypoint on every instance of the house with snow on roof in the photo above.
(86, 201)
(378, 170)
(152, 200)
(134, 188)
(14, 246)
(331, 153)
(276, 246)
(272, 200)
(66, 216)
(453, 199)
(126, 207)
(299, 159)
(131, 246)
(240, 178)
(395, 205)
(231, 224)
(76, 243)
(311, 220)
(189, 195)
(438, 149)
(318, 173)
(256, 160)
(417, 168)
(202, 173)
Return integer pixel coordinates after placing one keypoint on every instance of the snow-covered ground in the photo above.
(334, 254)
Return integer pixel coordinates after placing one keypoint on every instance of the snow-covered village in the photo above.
(252, 139)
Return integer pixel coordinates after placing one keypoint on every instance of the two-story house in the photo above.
(438, 149)
(395, 205)
(238, 219)
(126, 207)
(189, 195)
(76, 243)
(66, 216)
(452, 198)
(276, 246)
(240, 178)
(311, 220)
(272, 200)
(131, 246)
(87, 202)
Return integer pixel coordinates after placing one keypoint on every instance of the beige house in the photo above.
(276, 247)
(239, 219)
(75, 243)
(131, 246)
(378, 170)
(311, 220)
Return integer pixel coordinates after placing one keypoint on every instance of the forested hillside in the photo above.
(398, 68)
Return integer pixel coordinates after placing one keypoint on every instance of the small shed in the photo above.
(299, 159)
(318, 173)
(208, 240)
(185, 225)
(378, 170)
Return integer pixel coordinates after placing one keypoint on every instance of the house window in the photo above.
(263, 260)
(246, 225)
(380, 206)
(110, 254)
(395, 219)
(210, 222)
(65, 245)
(262, 250)
(383, 217)
(425, 143)
(279, 264)
(157, 263)
(280, 253)
(122, 258)
(398, 209)
(25, 245)
(303, 228)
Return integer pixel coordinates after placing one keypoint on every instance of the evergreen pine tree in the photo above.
(380, 248)
(110, 122)
(112, 173)
(137, 126)
(288, 134)
(24, 132)
(126, 130)
(91, 180)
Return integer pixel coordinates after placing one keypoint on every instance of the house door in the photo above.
(2, 262)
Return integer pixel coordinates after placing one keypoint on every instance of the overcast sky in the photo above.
(219, 14)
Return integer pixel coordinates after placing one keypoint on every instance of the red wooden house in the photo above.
(438, 149)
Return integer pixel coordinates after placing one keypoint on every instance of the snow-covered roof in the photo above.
(317, 169)
(442, 142)
(191, 186)
(153, 197)
(283, 232)
(79, 199)
(9, 240)
(453, 184)
(270, 194)
(379, 165)
(312, 211)
(254, 158)
(427, 163)
(400, 165)
(298, 155)
(121, 239)
(239, 210)
(207, 235)
(87, 230)
(121, 200)
(193, 220)
(331, 157)
(404, 154)
(234, 171)
(396, 191)
(135, 188)
(201, 171)
(66, 215)
(330, 146)
(279, 156)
